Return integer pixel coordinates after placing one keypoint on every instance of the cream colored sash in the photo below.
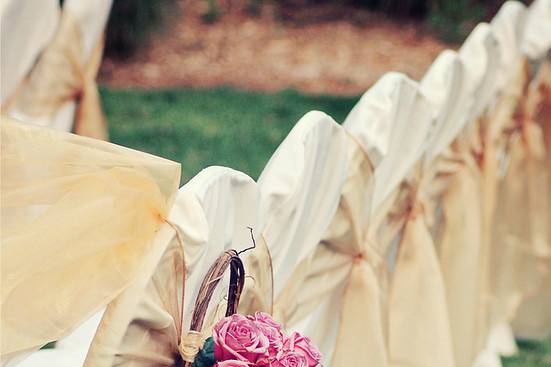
(419, 329)
(534, 319)
(522, 225)
(60, 76)
(458, 239)
(361, 333)
(492, 148)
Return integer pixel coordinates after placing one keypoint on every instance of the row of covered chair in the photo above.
(414, 234)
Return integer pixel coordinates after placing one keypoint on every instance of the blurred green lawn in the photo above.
(221, 126)
(228, 127)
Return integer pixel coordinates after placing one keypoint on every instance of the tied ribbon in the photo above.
(427, 340)
(361, 332)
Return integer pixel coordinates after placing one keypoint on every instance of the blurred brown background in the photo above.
(317, 46)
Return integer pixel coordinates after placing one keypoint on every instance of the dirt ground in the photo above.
(334, 51)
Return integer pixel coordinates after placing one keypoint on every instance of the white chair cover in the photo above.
(533, 319)
(26, 28)
(536, 40)
(144, 326)
(444, 86)
(508, 27)
(213, 211)
(90, 18)
(407, 138)
(401, 190)
(300, 189)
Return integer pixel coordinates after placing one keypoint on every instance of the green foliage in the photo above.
(203, 127)
(453, 20)
(409, 8)
(205, 357)
(531, 354)
(213, 12)
(50, 345)
(254, 7)
(131, 22)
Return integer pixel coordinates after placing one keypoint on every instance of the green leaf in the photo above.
(205, 357)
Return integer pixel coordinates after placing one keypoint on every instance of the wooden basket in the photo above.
(229, 258)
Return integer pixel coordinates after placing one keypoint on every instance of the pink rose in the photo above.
(232, 363)
(237, 337)
(303, 346)
(289, 358)
(272, 331)
(264, 318)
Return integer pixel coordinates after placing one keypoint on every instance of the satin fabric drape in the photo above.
(143, 326)
(524, 226)
(457, 240)
(492, 147)
(344, 264)
(419, 327)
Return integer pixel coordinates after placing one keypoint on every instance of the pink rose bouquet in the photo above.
(256, 340)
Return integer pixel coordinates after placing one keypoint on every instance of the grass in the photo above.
(204, 127)
(532, 354)
(228, 127)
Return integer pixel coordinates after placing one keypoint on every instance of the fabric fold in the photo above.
(45, 236)
(148, 324)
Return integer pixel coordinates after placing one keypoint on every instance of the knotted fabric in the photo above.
(343, 268)
(458, 240)
(492, 145)
(533, 319)
(62, 75)
(522, 233)
(419, 329)
(65, 261)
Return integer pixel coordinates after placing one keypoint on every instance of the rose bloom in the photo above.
(303, 346)
(264, 318)
(232, 363)
(237, 337)
(289, 358)
(272, 330)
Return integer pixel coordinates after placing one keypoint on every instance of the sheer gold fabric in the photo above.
(457, 240)
(419, 329)
(523, 226)
(62, 75)
(492, 128)
(78, 218)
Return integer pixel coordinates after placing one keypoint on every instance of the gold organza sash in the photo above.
(61, 76)
(533, 318)
(419, 329)
(522, 230)
(78, 217)
(458, 240)
(361, 331)
(492, 126)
